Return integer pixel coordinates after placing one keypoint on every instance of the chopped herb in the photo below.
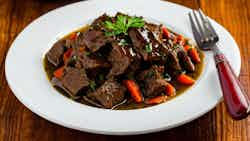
(167, 77)
(176, 46)
(101, 77)
(74, 58)
(189, 42)
(99, 54)
(150, 74)
(92, 85)
(148, 48)
(78, 33)
(131, 51)
(87, 53)
(122, 42)
(170, 42)
(122, 24)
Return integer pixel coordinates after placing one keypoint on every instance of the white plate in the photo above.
(26, 76)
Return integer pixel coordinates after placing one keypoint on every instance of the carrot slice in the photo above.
(181, 40)
(193, 53)
(59, 72)
(185, 79)
(187, 47)
(73, 36)
(156, 100)
(170, 90)
(166, 33)
(134, 90)
(175, 40)
(81, 49)
(67, 54)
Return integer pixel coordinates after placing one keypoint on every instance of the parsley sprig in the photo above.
(122, 24)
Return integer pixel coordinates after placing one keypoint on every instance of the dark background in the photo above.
(17, 123)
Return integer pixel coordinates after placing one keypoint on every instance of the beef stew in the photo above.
(123, 62)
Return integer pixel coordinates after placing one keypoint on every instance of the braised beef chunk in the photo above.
(185, 61)
(87, 62)
(156, 30)
(54, 55)
(145, 43)
(109, 94)
(74, 80)
(95, 39)
(139, 42)
(173, 61)
(120, 59)
(92, 102)
(153, 81)
(58, 83)
(98, 23)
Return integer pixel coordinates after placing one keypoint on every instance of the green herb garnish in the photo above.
(92, 85)
(176, 46)
(148, 48)
(122, 24)
(101, 77)
(167, 77)
(150, 74)
(87, 53)
(189, 42)
(122, 42)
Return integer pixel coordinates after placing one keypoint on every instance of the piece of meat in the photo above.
(86, 62)
(74, 80)
(173, 61)
(154, 82)
(109, 94)
(57, 83)
(120, 59)
(94, 103)
(54, 55)
(143, 38)
(139, 42)
(94, 39)
(185, 61)
(97, 24)
(156, 30)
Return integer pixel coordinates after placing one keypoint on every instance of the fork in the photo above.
(235, 98)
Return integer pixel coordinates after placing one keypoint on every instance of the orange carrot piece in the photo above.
(193, 53)
(185, 79)
(67, 54)
(170, 90)
(156, 100)
(187, 47)
(166, 33)
(59, 72)
(81, 49)
(181, 40)
(134, 90)
(73, 36)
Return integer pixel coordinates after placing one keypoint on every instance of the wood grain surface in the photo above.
(17, 123)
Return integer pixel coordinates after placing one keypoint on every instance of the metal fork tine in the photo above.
(207, 24)
(199, 25)
(196, 33)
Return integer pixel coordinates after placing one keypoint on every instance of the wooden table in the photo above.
(19, 123)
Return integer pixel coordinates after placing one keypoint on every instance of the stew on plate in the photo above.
(123, 62)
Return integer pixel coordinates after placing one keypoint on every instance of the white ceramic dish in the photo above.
(27, 79)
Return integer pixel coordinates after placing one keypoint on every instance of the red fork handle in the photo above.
(235, 98)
